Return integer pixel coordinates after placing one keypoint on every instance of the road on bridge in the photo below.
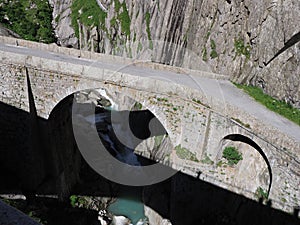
(222, 90)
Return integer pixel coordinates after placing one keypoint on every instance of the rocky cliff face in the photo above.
(254, 42)
(62, 23)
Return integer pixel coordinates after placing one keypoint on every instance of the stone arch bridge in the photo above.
(199, 127)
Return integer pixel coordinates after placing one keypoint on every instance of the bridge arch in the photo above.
(135, 95)
(69, 100)
(246, 140)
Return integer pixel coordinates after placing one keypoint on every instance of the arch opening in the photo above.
(125, 124)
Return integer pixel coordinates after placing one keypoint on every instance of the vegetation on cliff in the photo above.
(184, 153)
(274, 105)
(87, 13)
(122, 17)
(31, 19)
(260, 193)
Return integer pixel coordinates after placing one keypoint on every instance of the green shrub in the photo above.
(73, 200)
(261, 193)
(232, 155)
(213, 54)
(137, 106)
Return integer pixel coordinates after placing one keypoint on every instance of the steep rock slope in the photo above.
(254, 42)
(62, 23)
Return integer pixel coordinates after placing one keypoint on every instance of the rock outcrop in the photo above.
(8, 33)
(62, 23)
(254, 42)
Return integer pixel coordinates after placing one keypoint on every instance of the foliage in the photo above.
(274, 105)
(79, 201)
(88, 13)
(241, 48)
(118, 6)
(242, 123)
(31, 19)
(260, 193)
(148, 19)
(199, 102)
(213, 53)
(184, 153)
(121, 18)
(140, 47)
(158, 140)
(162, 99)
(219, 164)
(73, 200)
(232, 155)
(34, 216)
(124, 19)
(137, 106)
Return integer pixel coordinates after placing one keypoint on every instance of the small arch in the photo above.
(246, 140)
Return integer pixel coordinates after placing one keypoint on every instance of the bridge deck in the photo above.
(221, 90)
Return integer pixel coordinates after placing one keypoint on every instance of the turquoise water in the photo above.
(129, 207)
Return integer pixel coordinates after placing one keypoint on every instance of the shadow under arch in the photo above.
(246, 140)
(137, 175)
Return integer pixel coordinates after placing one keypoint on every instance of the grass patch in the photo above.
(232, 155)
(272, 104)
(184, 153)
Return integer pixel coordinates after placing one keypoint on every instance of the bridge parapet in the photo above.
(108, 58)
